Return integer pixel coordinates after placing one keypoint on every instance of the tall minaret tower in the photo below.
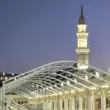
(82, 43)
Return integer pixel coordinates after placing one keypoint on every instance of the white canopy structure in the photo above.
(56, 78)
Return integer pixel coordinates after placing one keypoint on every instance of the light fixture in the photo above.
(81, 90)
(51, 87)
(93, 88)
(62, 84)
(86, 77)
(55, 85)
(72, 91)
(97, 74)
(68, 82)
(6, 78)
(75, 80)
(1, 78)
(60, 93)
(66, 92)
(105, 86)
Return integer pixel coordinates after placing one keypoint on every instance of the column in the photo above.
(0, 99)
(91, 101)
(80, 102)
(44, 106)
(3, 95)
(72, 103)
(103, 100)
(85, 104)
(96, 105)
(50, 105)
(59, 104)
(66, 104)
(55, 105)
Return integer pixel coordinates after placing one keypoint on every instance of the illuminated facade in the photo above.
(82, 43)
(60, 85)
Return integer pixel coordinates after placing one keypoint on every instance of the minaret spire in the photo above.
(82, 43)
(81, 10)
(82, 19)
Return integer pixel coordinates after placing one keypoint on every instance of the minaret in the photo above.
(82, 43)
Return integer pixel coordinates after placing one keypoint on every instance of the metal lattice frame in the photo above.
(54, 78)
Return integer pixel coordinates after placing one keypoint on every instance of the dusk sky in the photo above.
(37, 32)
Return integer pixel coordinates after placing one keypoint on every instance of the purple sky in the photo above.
(36, 32)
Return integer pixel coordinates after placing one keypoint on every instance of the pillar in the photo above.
(3, 95)
(66, 104)
(50, 105)
(0, 99)
(96, 105)
(103, 100)
(80, 102)
(85, 104)
(44, 106)
(91, 101)
(55, 105)
(59, 104)
(72, 103)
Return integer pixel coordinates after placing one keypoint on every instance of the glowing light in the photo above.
(92, 88)
(105, 86)
(6, 78)
(13, 74)
(66, 92)
(86, 77)
(4, 74)
(72, 91)
(60, 93)
(82, 67)
(68, 82)
(62, 84)
(55, 85)
(97, 74)
(81, 90)
(1, 78)
(51, 87)
(75, 80)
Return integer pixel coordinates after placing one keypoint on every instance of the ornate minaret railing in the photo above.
(82, 43)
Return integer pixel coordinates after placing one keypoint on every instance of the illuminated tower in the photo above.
(82, 43)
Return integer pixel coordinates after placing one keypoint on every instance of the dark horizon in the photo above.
(34, 33)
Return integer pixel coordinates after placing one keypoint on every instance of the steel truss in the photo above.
(56, 78)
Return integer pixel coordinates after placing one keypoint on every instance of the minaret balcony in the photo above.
(82, 34)
(82, 50)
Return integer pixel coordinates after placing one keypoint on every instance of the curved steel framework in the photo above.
(56, 78)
